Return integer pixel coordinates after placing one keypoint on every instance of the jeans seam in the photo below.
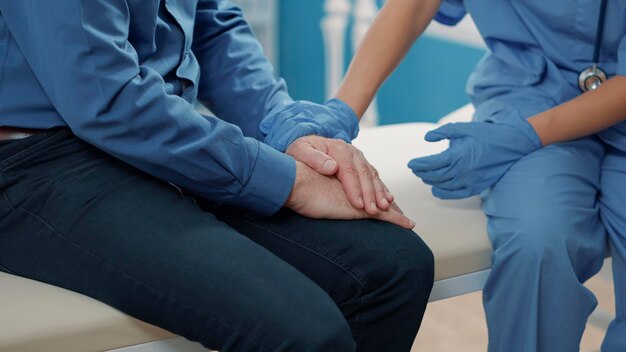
(77, 245)
(355, 330)
(25, 154)
(333, 261)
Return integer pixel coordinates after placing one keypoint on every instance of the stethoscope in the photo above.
(592, 77)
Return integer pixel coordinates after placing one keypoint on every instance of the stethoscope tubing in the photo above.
(599, 33)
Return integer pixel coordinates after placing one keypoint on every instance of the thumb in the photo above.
(447, 131)
(317, 160)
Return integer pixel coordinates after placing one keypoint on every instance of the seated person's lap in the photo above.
(78, 218)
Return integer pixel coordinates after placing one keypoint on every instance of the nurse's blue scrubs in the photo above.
(550, 215)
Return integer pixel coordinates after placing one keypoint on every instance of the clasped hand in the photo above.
(334, 180)
(479, 155)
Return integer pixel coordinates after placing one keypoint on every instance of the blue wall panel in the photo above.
(301, 48)
(428, 84)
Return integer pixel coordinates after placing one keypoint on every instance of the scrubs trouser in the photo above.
(75, 217)
(548, 219)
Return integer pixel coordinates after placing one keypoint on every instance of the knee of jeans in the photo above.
(408, 266)
(418, 268)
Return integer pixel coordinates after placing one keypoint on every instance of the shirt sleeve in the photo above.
(80, 54)
(451, 12)
(237, 81)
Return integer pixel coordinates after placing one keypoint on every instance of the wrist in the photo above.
(541, 124)
(346, 120)
(334, 119)
(529, 131)
(294, 200)
(357, 101)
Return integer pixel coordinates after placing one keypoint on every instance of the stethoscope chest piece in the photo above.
(591, 78)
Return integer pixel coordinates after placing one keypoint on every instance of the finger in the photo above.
(390, 197)
(447, 131)
(367, 183)
(431, 183)
(439, 175)
(380, 189)
(431, 162)
(456, 182)
(434, 179)
(448, 185)
(316, 159)
(349, 178)
(395, 217)
(439, 183)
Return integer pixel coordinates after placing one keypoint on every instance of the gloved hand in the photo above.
(334, 119)
(479, 155)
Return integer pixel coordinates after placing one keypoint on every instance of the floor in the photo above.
(458, 324)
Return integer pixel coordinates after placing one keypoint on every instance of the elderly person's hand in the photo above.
(361, 182)
(298, 128)
(322, 197)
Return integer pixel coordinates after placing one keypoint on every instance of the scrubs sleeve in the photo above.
(621, 58)
(450, 12)
(237, 81)
(81, 56)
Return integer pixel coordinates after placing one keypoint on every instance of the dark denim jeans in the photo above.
(75, 217)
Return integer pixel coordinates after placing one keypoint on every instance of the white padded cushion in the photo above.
(36, 317)
(463, 114)
(454, 230)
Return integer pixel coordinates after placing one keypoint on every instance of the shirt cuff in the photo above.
(270, 183)
(450, 12)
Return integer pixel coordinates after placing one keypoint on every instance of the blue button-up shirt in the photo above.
(537, 48)
(124, 75)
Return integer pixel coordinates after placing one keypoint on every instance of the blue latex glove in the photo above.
(479, 155)
(334, 119)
